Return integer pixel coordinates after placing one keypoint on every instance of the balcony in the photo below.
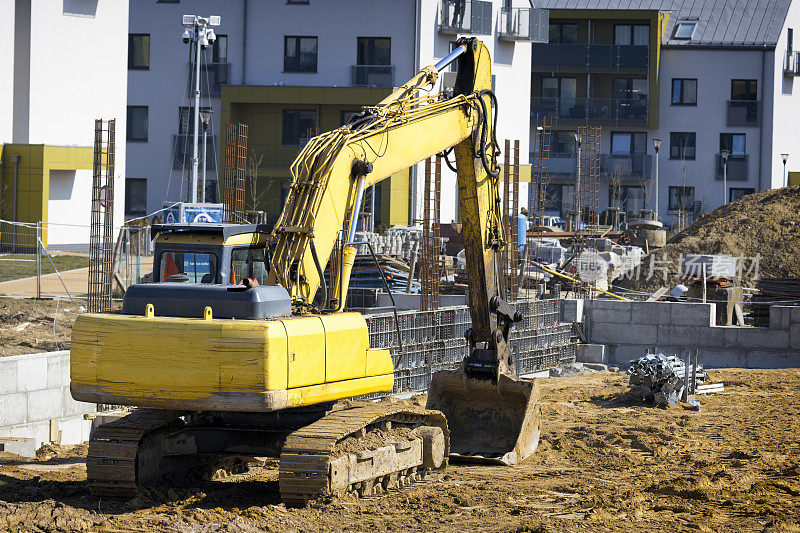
(182, 151)
(586, 57)
(791, 64)
(465, 16)
(373, 76)
(212, 77)
(609, 111)
(524, 24)
(737, 167)
(626, 167)
(560, 165)
(745, 113)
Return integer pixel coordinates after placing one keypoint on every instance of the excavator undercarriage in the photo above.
(359, 449)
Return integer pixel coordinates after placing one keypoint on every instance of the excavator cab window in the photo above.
(199, 267)
(249, 263)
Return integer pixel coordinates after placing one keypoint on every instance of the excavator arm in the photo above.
(492, 414)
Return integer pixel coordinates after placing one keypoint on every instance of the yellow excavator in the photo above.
(232, 353)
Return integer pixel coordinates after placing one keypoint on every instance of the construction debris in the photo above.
(660, 378)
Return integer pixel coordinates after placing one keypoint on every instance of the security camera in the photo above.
(203, 42)
(186, 36)
(212, 37)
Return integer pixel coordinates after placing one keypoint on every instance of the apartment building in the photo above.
(708, 79)
(64, 66)
(291, 69)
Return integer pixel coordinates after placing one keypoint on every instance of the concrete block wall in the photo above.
(34, 390)
(630, 329)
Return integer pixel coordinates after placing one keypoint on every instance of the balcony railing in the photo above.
(737, 167)
(373, 76)
(608, 110)
(465, 16)
(791, 64)
(212, 77)
(182, 151)
(623, 167)
(744, 113)
(524, 24)
(590, 56)
(631, 166)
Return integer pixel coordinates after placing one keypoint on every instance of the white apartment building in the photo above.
(64, 66)
(294, 68)
(703, 77)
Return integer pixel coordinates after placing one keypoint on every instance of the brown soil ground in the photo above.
(605, 463)
(27, 325)
(765, 224)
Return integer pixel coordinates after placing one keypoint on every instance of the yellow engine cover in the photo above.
(224, 364)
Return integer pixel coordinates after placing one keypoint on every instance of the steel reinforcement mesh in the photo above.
(434, 340)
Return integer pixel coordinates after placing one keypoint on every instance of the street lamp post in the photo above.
(784, 157)
(724, 154)
(656, 146)
(202, 34)
(577, 199)
(205, 118)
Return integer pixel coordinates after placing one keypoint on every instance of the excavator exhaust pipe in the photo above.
(489, 422)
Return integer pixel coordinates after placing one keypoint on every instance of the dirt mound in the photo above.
(764, 225)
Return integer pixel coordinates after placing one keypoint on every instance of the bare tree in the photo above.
(259, 190)
(615, 183)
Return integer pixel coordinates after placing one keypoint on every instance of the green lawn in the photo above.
(24, 269)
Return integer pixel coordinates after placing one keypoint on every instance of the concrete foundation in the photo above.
(36, 406)
(629, 329)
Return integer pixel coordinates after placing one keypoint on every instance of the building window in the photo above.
(138, 51)
(628, 143)
(631, 199)
(217, 52)
(299, 125)
(684, 91)
(186, 120)
(734, 143)
(562, 143)
(563, 33)
(374, 51)
(135, 196)
(632, 34)
(683, 145)
(684, 30)
(734, 193)
(681, 198)
(559, 88)
(789, 39)
(137, 123)
(629, 88)
(299, 54)
(744, 90)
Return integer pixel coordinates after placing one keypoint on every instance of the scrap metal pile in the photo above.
(661, 379)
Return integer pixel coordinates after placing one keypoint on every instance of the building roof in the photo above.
(719, 23)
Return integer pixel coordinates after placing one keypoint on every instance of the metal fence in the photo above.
(47, 260)
(434, 341)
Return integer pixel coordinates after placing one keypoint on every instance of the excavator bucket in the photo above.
(489, 423)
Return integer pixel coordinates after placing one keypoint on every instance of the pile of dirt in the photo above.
(764, 225)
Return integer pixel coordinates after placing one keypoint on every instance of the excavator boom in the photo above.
(491, 410)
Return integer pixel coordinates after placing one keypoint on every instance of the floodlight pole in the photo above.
(195, 140)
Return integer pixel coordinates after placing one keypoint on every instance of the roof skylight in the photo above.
(684, 30)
